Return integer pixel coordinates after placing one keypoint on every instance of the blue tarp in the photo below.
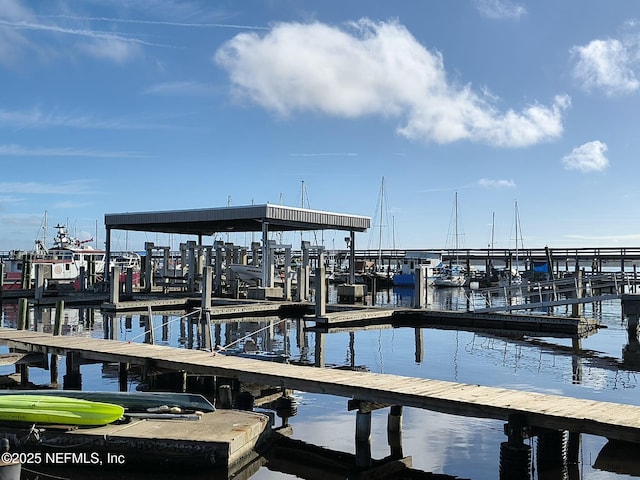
(541, 267)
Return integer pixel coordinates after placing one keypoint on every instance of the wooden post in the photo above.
(150, 328)
(57, 330)
(114, 287)
(576, 310)
(123, 377)
(319, 352)
(224, 393)
(551, 450)
(320, 296)
(128, 282)
(363, 438)
(207, 340)
(419, 297)
(419, 335)
(1, 282)
(73, 379)
(515, 456)
(394, 431)
(148, 270)
(39, 283)
(26, 272)
(23, 324)
(23, 314)
(573, 448)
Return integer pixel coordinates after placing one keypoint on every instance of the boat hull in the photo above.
(41, 409)
(130, 401)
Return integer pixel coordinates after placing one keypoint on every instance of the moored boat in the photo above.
(250, 350)
(429, 261)
(451, 276)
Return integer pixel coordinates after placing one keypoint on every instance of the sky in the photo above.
(526, 112)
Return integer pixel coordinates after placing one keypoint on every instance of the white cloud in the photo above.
(75, 187)
(12, 43)
(607, 65)
(588, 157)
(181, 88)
(17, 24)
(375, 69)
(20, 151)
(489, 183)
(37, 118)
(500, 9)
(324, 154)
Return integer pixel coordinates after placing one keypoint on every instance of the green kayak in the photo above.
(57, 410)
(131, 401)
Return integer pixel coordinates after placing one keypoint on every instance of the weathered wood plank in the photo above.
(612, 420)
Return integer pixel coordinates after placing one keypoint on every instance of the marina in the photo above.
(228, 349)
(93, 354)
(197, 280)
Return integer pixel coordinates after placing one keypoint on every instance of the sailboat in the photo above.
(512, 276)
(377, 273)
(452, 275)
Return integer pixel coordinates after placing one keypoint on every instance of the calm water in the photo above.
(444, 444)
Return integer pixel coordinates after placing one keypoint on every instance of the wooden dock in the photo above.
(606, 419)
(218, 439)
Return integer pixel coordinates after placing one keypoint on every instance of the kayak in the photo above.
(130, 401)
(58, 410)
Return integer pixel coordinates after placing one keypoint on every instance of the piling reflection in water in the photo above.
(454, 446)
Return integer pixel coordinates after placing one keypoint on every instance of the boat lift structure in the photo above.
(253, 218)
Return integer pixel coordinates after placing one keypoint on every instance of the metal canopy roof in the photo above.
(235, 219)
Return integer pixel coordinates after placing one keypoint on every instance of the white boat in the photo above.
(451, 276)
(62, 262)
(429, 261)
(454, 274)
(252, 274)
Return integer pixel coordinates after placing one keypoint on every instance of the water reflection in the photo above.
(446, 445)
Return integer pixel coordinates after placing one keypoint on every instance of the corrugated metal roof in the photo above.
(249, 218)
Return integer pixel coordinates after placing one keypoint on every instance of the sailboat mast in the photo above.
(380, 226)
(493, 226)
(516, 221)
(456, 219)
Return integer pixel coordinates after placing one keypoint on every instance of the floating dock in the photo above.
(218, 439)
(607, 419)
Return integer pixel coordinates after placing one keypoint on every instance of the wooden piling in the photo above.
(394, 431)
(320, 296)
(363, 438)
(1, 282)
(23, 314)
(226, 399)
(23, 324)
(72, 380)
(57, 330)
(123, 376)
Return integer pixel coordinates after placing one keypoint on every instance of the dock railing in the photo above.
(563, 291)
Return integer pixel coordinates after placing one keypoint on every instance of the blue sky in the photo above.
(146, 105)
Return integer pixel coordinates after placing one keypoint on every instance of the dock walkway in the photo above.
(606, 419)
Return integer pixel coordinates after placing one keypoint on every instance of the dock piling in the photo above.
(363, 438)
(515, 456)
(394, 431)
(420, 288)
(72, 380)
(57, 330)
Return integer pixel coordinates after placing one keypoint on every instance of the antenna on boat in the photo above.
(45, 227)
(493, 227)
